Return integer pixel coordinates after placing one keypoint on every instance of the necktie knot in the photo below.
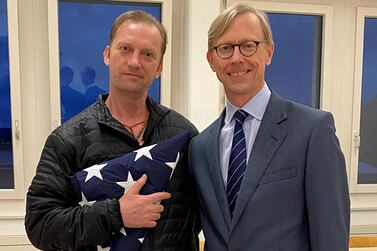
(240, 116)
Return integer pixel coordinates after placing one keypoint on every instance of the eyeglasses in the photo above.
(247, 49)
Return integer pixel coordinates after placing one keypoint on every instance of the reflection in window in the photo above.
(6, 158)
(295, 71)
(84, 28)
(368, 122)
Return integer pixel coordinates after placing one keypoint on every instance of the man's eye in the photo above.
(248, 46)
(125, 48)
(148, 55)
(226, 47)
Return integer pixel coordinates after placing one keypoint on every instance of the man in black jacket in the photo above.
(118, 123)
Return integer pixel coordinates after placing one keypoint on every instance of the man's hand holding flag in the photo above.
(138, 179)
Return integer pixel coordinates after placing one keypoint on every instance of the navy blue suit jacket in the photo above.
(294, 195)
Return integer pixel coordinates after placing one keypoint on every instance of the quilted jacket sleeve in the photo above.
(53, 219)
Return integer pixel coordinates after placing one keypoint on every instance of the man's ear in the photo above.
(210, 60)
(159, 70)
(106, 55)
(270, 48)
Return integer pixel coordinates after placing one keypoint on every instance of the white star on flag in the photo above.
(145, 151)
(141, 240)
(85, 201)
(127, 184)
(123, 231)
(172, 165)
(94, 171)
(99, 248)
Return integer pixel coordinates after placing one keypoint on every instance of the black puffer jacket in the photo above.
(53, 219)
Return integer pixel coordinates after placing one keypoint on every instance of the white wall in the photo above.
(199, 92)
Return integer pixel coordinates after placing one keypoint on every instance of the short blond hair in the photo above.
(143, 17)
(223, 21)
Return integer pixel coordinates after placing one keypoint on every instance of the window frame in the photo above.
(15, 92)
(361, 14)
(53, 30)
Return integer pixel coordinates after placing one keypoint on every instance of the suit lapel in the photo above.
(268, 140)
(213, 160)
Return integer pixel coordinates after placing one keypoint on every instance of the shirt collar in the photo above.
(256, 106)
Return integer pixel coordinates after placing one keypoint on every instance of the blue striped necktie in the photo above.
(237, 160)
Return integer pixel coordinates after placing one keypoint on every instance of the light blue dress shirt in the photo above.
(256, 108)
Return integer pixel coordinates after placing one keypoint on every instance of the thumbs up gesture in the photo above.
(139, 211)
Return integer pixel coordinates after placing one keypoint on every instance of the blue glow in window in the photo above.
(6, 153)
(368, 122)
(84, 29)
(296, 65)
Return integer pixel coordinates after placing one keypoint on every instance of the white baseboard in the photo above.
(18, 248)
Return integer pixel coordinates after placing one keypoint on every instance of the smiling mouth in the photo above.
(238, 73)
(133, 75)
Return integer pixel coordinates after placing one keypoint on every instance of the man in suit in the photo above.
(269, 172)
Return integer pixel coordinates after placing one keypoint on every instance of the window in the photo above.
(301, 65)
(84, 29)
(364, 161)
(295, 72)
(367, 171)
(11, 138)
(365, 78)
(6, 152)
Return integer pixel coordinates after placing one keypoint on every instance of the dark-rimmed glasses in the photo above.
(247, 49)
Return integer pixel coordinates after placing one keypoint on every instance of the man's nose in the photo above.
(134, 59)
(237, 56)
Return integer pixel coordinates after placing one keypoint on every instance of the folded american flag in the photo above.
(111, 179)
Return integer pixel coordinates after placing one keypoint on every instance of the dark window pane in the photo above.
(6, 154)
(84, 28)
(295, 71)
(368, 121)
